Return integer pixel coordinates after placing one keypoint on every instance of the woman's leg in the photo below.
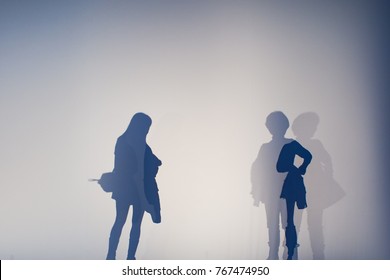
(122, 209)
(138, 213)
(290, 212)
(291, 234)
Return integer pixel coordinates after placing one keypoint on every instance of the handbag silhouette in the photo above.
(108, 181)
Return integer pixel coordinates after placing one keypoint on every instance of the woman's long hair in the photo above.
(138, 127)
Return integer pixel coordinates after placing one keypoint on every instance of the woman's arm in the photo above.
(287, 154)
(305, 154)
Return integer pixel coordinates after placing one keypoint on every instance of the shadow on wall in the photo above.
(132, 183)
(267, 182)
(293, 190)
(322, 189)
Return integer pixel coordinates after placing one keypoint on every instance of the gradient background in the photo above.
(72, 73)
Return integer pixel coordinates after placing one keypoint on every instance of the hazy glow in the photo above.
(208, 75)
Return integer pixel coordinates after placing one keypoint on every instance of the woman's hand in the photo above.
(302, 169)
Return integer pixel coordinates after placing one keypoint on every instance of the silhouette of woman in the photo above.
(293, 190)
(135, 168)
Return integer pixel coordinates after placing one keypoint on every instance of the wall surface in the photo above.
(208, 73)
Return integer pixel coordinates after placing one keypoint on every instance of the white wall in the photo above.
(208, 73)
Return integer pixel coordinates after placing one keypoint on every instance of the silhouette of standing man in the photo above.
(267, 182)
(135, 169)
(293, 190)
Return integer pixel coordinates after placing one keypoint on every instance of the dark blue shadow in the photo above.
(132, 183)
(293, 190)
